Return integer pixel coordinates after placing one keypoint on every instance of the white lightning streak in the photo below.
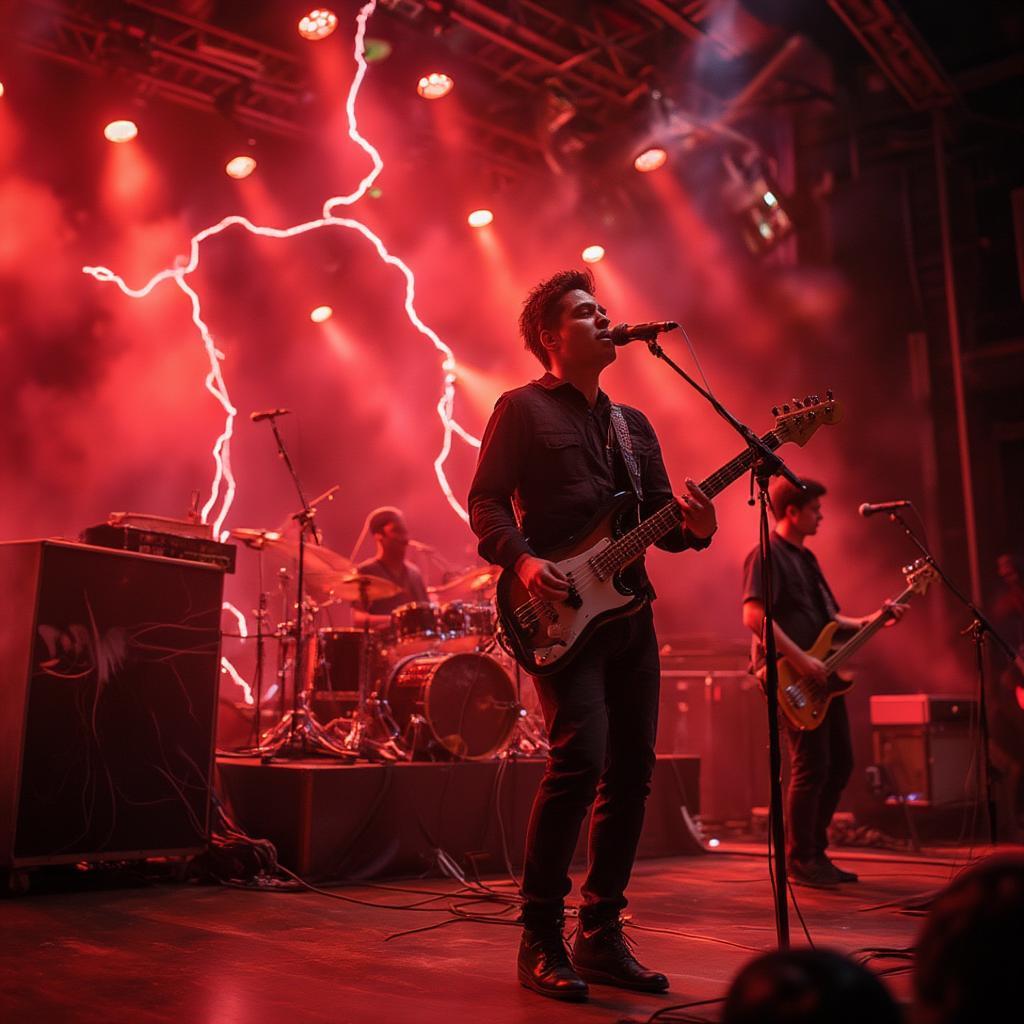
(214, 379)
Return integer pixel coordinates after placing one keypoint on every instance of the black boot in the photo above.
(603, 956)
(840, 874)
(544, 965)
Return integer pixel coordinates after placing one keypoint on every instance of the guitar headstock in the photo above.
(920, 575)
(798, 420)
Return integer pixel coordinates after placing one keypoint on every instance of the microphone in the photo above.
(268, 414)
(870, 509)
(623, 334)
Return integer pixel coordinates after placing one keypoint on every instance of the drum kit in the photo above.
(434, 684)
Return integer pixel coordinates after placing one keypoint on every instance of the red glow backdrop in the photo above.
(107, 409)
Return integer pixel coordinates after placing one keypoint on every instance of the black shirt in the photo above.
(410, 580)
(545, 456)
(804, 602)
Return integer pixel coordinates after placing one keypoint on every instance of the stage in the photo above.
(178, 952)
(357, 821)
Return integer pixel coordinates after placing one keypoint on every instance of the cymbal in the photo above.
(318, 559)
(481, 577)
(354, 586)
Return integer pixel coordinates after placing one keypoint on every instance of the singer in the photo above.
(554, 451)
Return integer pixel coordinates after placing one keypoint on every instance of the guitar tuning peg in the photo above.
(775, 410)
(808, 399)
(785, 408)
(797, 403)
(828, 394)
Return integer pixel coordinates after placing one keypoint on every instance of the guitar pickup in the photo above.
(573, 599)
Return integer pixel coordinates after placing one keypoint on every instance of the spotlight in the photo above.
(240, 166)
(318, 24)
(480, 218)
(320, 314)
(1, 88)
(435, 85)
(593, 254)
(121, 131)
(755, 203)
(650, 159)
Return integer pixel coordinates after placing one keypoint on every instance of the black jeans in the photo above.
(820, 765)
(602, 717)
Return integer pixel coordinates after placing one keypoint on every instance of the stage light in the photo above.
(240, 167)
(480, 218)
(1, 88)
(120, 131)
(321, 313)
(593, 254)
(435, 85)
(318, 24)
(650, 160)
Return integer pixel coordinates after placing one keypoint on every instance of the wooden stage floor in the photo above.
(186, 953)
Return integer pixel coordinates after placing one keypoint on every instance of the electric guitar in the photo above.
(544, 636)
(805, 700)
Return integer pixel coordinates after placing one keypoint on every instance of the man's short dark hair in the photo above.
(381, 517)
(540, 308)
(783, 494)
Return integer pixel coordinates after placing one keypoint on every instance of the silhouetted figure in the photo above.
(808, 986)
(970, 953)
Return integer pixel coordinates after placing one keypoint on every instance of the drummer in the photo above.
(387, 524)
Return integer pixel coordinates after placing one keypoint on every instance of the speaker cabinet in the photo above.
(924, 743)
(109, 668)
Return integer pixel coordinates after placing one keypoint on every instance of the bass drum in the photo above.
(460, 706)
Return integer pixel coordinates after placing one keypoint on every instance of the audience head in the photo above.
(808, 986)
(970, 953)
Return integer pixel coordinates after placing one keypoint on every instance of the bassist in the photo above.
(550, 459)
(821, 759)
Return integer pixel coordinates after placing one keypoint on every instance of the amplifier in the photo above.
(924, 743)
(156, 542)
(110, 664)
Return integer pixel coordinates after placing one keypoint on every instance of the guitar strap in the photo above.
(619, 431)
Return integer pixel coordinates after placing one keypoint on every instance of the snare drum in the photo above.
(465, 625)
(460, 706)
(415, 626)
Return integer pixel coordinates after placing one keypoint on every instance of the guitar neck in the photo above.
(863, 635)
(633, 544)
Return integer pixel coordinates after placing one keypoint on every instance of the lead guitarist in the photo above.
(821, 760)
(550, 458)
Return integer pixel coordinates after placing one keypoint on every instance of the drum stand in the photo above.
(299, 734)
(372, 732)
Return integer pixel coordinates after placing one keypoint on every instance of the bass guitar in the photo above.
(544, 636)
(805, 700)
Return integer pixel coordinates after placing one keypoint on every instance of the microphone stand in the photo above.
(298, 733)
(979, 628)
(766, 465)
